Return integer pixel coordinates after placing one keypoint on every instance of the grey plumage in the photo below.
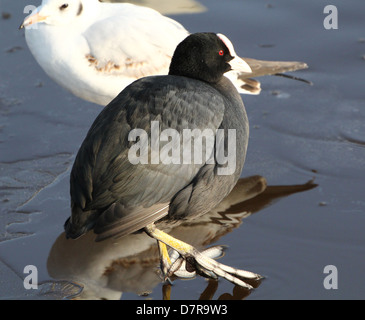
(106, 187)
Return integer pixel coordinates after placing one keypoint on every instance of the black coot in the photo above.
(125, 180)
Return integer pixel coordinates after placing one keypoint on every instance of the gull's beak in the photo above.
(239, 64)
(32, 19)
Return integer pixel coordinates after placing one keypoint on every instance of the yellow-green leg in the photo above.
(202, 263)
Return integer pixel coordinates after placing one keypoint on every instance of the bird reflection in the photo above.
(130, 264)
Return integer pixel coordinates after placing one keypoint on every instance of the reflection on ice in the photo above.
(130, 264)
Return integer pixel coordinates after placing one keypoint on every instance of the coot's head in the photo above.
(206, 56)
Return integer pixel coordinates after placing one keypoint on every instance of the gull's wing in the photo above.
(133, 41)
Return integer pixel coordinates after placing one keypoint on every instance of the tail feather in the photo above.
(246, 85)
(79, 223)
(266, 68)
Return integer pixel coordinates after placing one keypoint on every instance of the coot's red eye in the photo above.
(221, 52)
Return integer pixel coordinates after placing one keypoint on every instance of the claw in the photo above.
(208, 267)
(182, 268)
(203, 263)
(224, 271)
(176, 267)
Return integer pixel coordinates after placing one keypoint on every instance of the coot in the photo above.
(124, 180)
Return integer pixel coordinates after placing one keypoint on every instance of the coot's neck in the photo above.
(226, 88)
(179, 67)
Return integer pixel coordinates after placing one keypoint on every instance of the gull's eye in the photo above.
(221, 52)
(64, 6)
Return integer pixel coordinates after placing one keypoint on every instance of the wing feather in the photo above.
(126, 43)
(104, 180)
